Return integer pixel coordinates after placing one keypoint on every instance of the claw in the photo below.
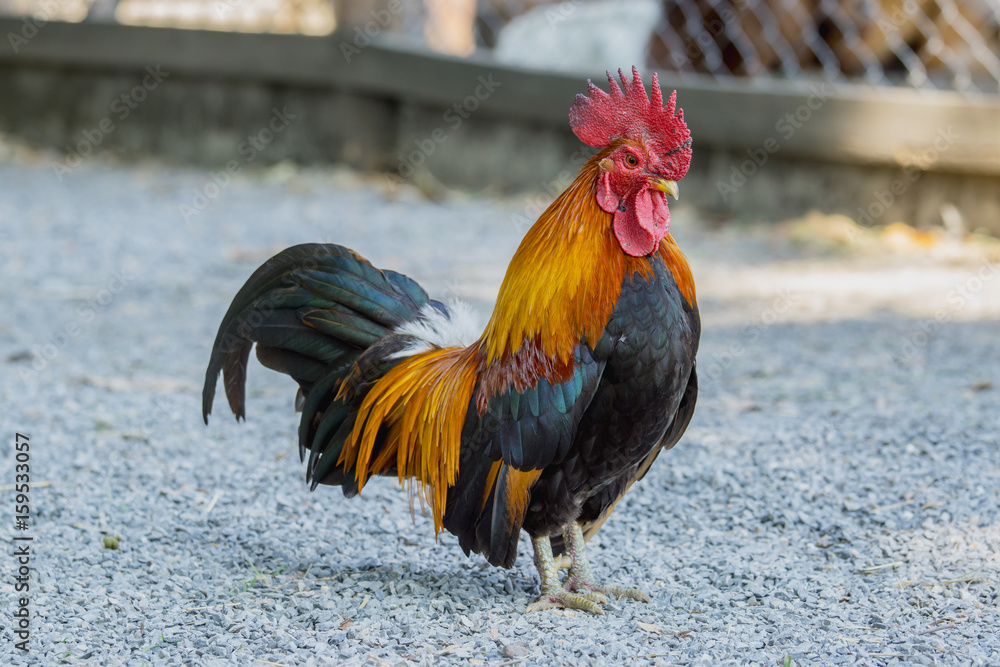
(630, 593)
(593, 596)
(561, 598)
(618, 592)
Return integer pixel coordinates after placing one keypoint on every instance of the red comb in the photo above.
(600, 118)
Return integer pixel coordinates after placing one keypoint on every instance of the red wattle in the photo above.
(644, 222)
(661, 215)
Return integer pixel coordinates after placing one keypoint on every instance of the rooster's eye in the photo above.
(631, 160)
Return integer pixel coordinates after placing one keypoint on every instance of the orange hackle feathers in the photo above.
(679, 267)
(561, 287)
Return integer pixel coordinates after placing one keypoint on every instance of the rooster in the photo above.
(540, 422)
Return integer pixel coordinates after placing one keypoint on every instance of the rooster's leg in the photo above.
(581, 580)
(553, 594)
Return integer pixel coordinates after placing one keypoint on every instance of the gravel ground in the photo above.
(835, 500)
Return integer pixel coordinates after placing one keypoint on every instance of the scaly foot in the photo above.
(581, 579)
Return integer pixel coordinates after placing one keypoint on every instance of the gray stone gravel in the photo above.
(835, 500)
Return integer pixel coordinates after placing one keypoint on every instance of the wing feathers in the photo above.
(538, 425)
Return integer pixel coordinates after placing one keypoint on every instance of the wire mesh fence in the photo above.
(937, 44)
(923, 44)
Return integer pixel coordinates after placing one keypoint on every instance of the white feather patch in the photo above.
(433, 329)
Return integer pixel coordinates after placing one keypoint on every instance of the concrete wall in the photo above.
(194, 120)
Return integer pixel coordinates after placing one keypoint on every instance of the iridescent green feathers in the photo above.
(345, 303)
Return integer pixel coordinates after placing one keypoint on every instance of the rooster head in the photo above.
(649, 150)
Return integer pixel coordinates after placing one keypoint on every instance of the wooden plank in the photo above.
(854, 124)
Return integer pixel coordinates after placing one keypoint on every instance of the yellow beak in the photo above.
(663, 185)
